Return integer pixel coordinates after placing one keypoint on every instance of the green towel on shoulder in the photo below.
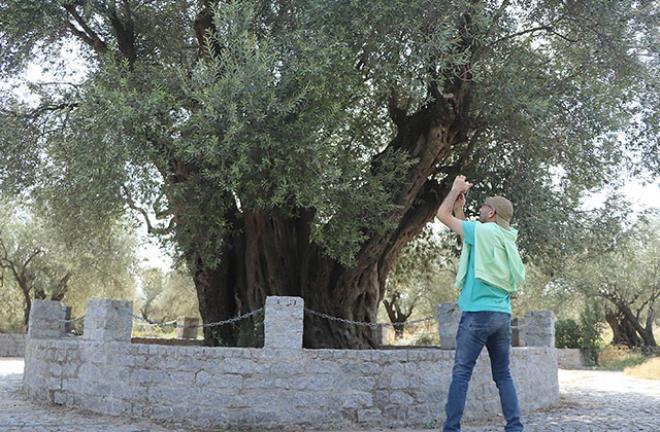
(496, 259)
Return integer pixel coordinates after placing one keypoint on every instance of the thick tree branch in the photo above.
(124, 30)
(546, 28)
(30, 258)
(87, 34)
(151, 229)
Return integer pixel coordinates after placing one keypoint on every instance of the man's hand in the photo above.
(461, 185)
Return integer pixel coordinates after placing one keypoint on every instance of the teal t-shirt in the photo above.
(478, 296)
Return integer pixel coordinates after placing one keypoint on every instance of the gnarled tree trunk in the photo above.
(269, 254)
(624, 333)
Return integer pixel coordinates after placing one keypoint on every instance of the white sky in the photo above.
(643, 196)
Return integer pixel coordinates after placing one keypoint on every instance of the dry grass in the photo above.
(617, 358)
(650, 369)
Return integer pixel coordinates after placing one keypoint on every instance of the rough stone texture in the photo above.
(281, 384)
(46, 319)
(570, 358)
(283, 324)
(12, 345)
(449, 316)
(379, 335)
(185, 327)
(516, 332)
(238, 386)
(590, 401)
(108, 320)
(538, 329)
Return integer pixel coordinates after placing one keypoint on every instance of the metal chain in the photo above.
(366, 324)
(213, 324)
(173, 323)
(229, 321)
(374, 325)
(145, 322)
(73, 320)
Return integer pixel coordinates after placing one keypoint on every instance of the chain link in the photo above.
(229, 321)
(374, 325)
(73, 320)
(146, 322)
(367, 324)
(173, 324)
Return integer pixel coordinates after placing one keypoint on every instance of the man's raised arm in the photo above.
(458, 189)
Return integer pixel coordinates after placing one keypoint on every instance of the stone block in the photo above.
(46, 319)
(186, 327)
(539, 329)
(283, 326)
(517, 337)
(449, 316)
(379, 335)
(108, 320)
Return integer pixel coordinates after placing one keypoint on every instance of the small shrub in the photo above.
(592, 322)
(425, 339)
(567, 334)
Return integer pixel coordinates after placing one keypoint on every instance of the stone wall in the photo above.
(570, 358)
(12, 345)
(281, 384)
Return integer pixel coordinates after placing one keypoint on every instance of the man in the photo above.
(490, 270)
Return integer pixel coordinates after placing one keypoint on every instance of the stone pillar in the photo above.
(283, 325)
(517, 339)
(186, 327)
(379, 334)
(108, 320)
(449, 316)
(46, 319)
(538, 328)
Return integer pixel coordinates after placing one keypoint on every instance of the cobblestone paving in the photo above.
(590, 402)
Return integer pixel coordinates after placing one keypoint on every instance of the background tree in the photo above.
(294, 148)
(628, 277)
(39, 263)
(30, 263)
(421, 278)
(165, 296)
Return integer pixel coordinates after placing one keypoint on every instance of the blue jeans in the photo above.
(476, 329)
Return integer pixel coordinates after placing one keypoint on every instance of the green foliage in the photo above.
(165, 296)
(586, 334)
(424, 273)
(592, 321)
(99, 266)
(567, 334)
(620, 265)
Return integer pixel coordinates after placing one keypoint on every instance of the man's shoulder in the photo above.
(486, 227)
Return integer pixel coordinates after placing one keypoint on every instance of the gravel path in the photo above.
(591, 401)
